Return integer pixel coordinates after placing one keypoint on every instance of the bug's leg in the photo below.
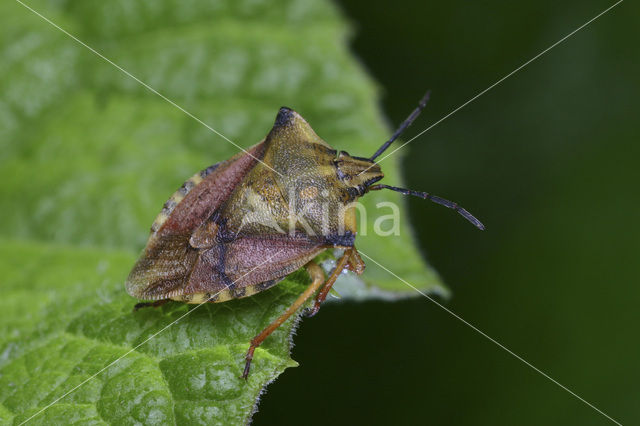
(155, 304)
(317, 278)
(348, 258)
(355, 263)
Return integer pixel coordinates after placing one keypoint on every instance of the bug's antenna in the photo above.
(438, 200)
(406, 123)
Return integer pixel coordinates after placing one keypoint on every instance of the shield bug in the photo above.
(240, 226)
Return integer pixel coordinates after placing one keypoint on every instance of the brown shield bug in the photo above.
(240, 226)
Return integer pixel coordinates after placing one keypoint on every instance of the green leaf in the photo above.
(89, 157)
(52, 341)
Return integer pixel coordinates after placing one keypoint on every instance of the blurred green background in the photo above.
(549, 161)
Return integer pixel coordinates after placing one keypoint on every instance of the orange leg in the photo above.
(317, 277)
(324, 291)
(356, 264)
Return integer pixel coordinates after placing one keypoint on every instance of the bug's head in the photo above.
(361, 173)
(357, 172)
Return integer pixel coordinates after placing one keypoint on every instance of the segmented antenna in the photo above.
(406, 123)
(438, 200)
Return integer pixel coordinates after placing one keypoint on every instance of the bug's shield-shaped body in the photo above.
(240, 226)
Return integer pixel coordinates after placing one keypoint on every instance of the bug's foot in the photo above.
(247, 365)
(313, 310)
(155, 304)
(141, 305)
